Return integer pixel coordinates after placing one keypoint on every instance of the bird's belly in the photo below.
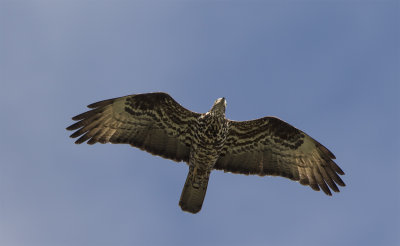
(207, 144)
(203, 157)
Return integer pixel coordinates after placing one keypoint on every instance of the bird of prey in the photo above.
(156, 123)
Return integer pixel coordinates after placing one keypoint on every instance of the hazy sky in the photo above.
(331, 68)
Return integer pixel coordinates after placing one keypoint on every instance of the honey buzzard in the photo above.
(156, 123)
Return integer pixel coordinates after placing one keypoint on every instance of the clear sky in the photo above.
(330, 68)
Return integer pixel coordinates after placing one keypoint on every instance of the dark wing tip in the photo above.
(336, 168)
(74, 126)
(325, 150)
(340, 171)
(84, 115)
(70, 128)
(84, 124)
(314, 187)
(101, 103)
(82, 139)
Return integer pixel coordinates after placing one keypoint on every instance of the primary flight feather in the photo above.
(156, 123)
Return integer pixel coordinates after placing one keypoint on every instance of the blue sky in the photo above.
(330, 68)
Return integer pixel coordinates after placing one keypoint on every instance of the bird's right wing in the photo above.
(153, 122)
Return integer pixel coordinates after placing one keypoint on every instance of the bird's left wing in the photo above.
(270, 146)
(153, 122)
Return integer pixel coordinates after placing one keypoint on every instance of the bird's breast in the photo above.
(211, 133)
(209, 138)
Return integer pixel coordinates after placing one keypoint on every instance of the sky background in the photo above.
(330, 68)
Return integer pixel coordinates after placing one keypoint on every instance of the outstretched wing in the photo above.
(153, 122)
(270, 146)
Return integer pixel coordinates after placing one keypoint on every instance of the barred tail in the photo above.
(194, 191)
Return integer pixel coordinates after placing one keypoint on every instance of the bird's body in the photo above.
(211, 131)
(156, 123)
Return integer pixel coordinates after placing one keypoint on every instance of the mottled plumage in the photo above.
(156, 123)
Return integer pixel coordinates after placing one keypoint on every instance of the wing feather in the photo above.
(153, 122)
(270, 146)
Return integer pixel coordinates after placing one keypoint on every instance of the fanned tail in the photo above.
(194, 191)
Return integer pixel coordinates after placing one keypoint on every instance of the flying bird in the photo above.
(156, 123)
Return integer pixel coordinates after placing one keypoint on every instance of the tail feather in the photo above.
(193, 192)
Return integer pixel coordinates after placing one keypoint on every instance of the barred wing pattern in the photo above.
(270, 146)
(153, 122)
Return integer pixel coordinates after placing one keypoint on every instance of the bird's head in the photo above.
(219, 106)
